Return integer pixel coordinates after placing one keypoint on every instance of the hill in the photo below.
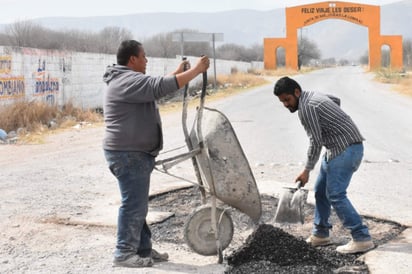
(335, 38)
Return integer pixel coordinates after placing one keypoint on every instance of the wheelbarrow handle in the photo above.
(204, 85)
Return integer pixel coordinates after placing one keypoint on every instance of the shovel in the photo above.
(290, 206)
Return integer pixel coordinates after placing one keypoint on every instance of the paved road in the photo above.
(67, 178)
(275, 142)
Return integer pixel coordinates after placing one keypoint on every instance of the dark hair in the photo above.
(286, 85)
(126, 49)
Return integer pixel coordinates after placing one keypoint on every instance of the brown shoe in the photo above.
(355, 247)
(318, 241)
(159, 257)
(134, 261)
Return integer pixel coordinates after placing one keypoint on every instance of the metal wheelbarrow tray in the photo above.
(223, 171)
(224, 166)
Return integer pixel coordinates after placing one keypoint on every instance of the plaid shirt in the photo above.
(326, 124)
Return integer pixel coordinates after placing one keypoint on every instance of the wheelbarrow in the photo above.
(222, 171)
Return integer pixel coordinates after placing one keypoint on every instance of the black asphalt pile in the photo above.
(271, 250)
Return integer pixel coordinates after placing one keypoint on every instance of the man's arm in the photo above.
(310, 122)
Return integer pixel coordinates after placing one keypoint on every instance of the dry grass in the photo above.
(32, 119)
(227, 85)
(28, 115)
(405, 85)
(402, 81)
(285, 71)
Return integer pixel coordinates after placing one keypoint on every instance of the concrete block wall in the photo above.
(59, 77)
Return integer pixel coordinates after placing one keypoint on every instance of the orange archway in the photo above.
(305, 15)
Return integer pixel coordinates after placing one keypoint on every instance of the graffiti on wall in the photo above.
(46, 86)
(5, 64)
(11, 87)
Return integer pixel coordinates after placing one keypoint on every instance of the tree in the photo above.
(5, 40)
(23, 33)
(28, 34)
(343, 62)
(280, 57)
(407, 53)
(386, 57)
(364, 59)
(240, 53)
(110, 38)
(329, 62)
(81, 41)
(307, 51)
(254, 53)
(229, 52)
(161, 45)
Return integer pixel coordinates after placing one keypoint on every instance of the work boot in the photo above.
(355, 247)
(314, 240)
(134, 261)
(159, 257)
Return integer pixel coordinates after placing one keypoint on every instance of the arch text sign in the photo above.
(305, 15)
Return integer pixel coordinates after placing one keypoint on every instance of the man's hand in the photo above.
(183, 66)
(303, 177)
(184, 77)
(202, 64)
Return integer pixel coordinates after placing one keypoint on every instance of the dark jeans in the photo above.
(132, 170)
(330, 190)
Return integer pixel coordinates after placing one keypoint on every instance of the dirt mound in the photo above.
(271, 250)
(268, 243)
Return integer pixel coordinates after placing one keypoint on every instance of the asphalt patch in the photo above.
(269, 247)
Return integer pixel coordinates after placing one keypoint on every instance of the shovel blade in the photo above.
(291, 206)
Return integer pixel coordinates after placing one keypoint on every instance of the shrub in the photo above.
(34, 115)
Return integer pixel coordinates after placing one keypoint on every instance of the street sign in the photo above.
(197, 37)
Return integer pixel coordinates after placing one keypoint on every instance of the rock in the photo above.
(3, 135)
(52, 124)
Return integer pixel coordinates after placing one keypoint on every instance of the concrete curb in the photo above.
(392, 257)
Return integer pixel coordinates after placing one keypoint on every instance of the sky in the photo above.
(19, 10)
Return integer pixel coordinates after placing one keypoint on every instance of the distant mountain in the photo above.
(244, 27)
(335, 38)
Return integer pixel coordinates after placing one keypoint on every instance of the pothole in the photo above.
(272, 239)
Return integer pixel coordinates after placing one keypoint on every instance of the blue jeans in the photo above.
(330, 190)
(132, 170)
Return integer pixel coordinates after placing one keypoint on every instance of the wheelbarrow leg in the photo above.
(215, 228)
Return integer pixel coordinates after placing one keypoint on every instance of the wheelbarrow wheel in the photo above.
(199, 234)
